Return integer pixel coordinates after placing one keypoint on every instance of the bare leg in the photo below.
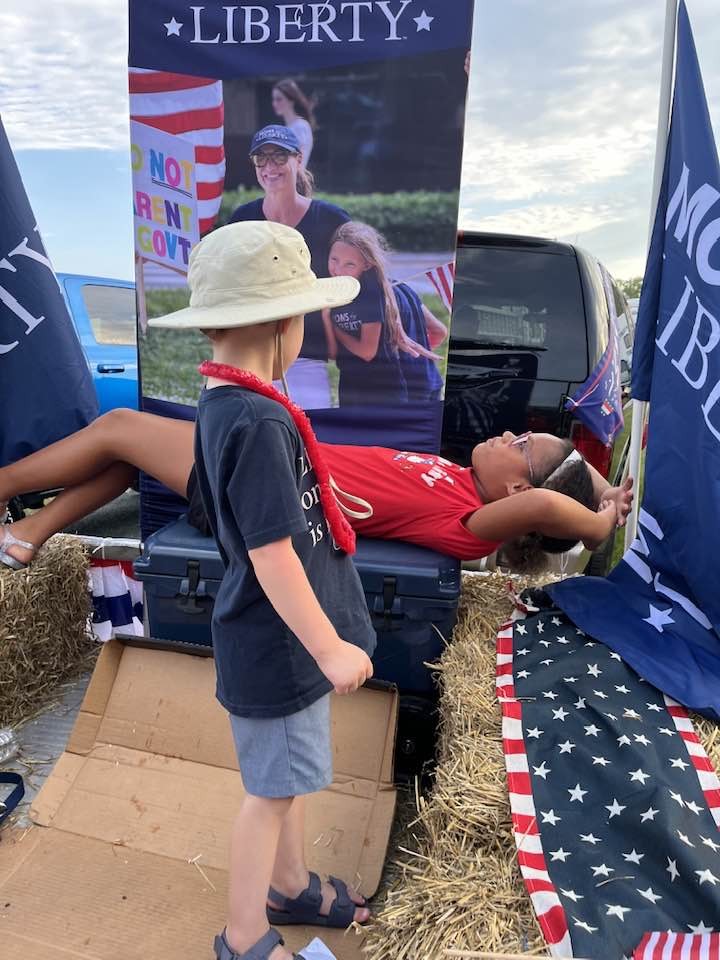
(290, 873)
(253, 846)
(159, 446)
(94, 466)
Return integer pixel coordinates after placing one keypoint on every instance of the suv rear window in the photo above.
(112, 313)
(509, 299)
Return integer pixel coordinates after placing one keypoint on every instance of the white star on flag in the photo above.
(535, 732)
(594, 670)
(700, 928)
(672, 870)
(521, 629)
(580, 703)
(546, 663)
(615, 809)
(710, 843)
(685, 838)
(599, 693)
(707, 876)
(571, 895)
(559, 855)
(680, 763)
(615, 656)
(639, 775)
(555, 621)
(649, 894)
(544, 643)
(602, 871)
(601, 761)
(631, 714)
(694, 807)
(542, 770)
(524, 674)
(622, 689)
(615, 910)
(173, 28)
(633, 856)
(677, 798)
(641, 738)
(567, 747)
(624, 741)
(649, 814)
(549, 817)
(524, 652)
(550, 695)
(589, 838)
(570, 679)
(592, 730)
(577, 793)
(423, 22)
(667, 732)
(658, 618)
(656, 708)
(560, 714)
(584, 926)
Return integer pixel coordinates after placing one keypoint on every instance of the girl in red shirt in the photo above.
(532, 493)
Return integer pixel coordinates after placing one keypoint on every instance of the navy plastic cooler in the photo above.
(412, 595)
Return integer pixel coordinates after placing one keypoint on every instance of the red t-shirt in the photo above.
(417, 497)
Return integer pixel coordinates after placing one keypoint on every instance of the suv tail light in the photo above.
(596, 452)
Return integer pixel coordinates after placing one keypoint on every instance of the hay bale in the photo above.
(44, 635)
(455, 882)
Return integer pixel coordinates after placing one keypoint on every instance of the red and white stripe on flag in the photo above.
(443, 278)
(678, 946)
(192, 108)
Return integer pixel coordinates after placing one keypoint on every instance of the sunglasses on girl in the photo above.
(523, 441)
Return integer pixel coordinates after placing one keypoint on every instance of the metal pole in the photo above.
(639, 407)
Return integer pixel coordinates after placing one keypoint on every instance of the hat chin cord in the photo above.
(280, 361)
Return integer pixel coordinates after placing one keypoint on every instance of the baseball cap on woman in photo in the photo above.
(275, 135)
(254, 272)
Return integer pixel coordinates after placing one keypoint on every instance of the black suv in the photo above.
(531, 319)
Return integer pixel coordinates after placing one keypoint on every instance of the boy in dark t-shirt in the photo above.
(290, 621)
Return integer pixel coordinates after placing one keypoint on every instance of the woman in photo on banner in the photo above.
(296, 112)
(381, 350)
(276, 154)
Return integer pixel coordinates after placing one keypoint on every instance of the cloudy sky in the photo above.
(560, 132)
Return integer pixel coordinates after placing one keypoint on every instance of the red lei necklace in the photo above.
(341, 531)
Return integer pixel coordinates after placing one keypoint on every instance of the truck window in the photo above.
(111, 311)
(511, 299)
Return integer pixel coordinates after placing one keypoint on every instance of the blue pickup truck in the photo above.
(103, 311)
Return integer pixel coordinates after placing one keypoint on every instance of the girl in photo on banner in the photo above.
(276, 155)
(367, 338)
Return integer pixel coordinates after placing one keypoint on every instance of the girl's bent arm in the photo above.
(366, 345)
(542, 511)
(436, 329)
(329, 335)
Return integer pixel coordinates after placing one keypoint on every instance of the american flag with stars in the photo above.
(615, 804)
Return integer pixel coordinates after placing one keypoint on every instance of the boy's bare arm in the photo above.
(284, 582)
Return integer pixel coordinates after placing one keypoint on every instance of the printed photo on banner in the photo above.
(307, 114)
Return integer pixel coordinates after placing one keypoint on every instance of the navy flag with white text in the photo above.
(46, 391)
(660, 607)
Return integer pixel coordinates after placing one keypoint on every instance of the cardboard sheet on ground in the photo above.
(129, 858)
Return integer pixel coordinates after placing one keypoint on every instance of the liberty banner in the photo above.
(308, 114)
(660, 607)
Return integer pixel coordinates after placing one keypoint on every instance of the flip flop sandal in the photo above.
(258, 951)
(9, 540)
(305, 908)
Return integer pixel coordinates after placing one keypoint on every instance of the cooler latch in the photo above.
(192, 588)
(388, 595)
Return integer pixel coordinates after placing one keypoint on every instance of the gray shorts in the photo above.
(285, 756)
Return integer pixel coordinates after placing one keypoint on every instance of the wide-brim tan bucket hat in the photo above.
(254, 272)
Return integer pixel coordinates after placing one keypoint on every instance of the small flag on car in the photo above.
(443, 278)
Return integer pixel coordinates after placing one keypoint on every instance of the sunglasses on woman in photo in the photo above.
(278, 157)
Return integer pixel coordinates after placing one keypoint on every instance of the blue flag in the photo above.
(598, 401)
(660, 607)
(46, 391)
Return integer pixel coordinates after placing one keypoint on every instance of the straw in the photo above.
(44, 636)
